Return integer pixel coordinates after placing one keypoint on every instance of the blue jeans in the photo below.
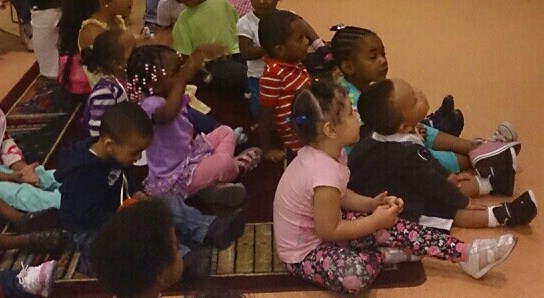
(23, 8)
(191, 225)
(10, 284)
(150, 15)
(254, 89)
(83, 242)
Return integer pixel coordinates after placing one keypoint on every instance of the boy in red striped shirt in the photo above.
(284, 37)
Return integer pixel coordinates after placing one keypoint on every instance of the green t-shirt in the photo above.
(212, 21)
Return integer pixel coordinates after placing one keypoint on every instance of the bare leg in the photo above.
(471, 218)
(447, 142)
(9, 213)
(464, 162)
(470, 188)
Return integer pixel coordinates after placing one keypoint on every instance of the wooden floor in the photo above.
(488, 54)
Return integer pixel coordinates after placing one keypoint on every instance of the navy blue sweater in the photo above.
(408, 171)
(90, 190)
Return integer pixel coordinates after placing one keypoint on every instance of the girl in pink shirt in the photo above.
(329, 235)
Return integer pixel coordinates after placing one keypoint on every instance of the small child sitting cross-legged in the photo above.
(395, 159)
(329, 235)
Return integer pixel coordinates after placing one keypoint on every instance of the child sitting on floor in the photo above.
(333, 237)
(394, 159)
(360, 55)
(178, 163)
(143, 270)
(282, 35)
(26, 187)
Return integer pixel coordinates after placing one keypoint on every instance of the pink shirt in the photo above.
(293, 203)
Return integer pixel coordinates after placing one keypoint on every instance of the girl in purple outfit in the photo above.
(178, 163)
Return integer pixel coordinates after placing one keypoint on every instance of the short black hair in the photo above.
(377, 110)
(344, 41)
(124, 120)
(275, 29)
(313, 104)
(133, 247)
(106, 50)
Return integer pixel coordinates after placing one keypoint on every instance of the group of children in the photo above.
(338, 218)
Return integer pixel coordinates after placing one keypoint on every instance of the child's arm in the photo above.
(169, 111)
(248, 50)
(12, 177)
(355, 202)
(329, 226)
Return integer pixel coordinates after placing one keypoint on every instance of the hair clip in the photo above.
(338, 27)
(300, 119)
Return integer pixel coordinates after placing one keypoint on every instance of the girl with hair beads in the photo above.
(179, 164)
(329, 235)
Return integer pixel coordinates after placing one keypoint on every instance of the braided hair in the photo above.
(143, 67)
(344, 41)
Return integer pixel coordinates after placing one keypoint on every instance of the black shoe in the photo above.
(501, 172)
(197, 264)
(42, 220)
(47, 241)
(225, 229)
(522, 210)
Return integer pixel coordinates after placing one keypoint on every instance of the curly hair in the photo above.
(133, 247)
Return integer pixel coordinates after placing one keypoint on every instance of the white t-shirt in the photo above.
(248, 26)
(168, 12)
(294, 230)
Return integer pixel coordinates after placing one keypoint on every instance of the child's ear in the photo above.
(329, 130)
(347, 67)
(109, 143)
(280, 51)
(404, 128)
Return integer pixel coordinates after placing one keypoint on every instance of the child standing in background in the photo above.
(179, 164)
(331, 236)
(251, 50)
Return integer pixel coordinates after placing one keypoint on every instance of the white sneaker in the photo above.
(38, 280)
(505, 133)
(484, 254)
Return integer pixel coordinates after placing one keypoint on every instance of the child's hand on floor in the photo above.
(275, 155)
(29, 174)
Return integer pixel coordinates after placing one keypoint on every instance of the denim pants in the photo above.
(23, 8)
(150, 15)
(202, 123)
(191, 225)
(10, 286)
(83, 242)
(254, 89)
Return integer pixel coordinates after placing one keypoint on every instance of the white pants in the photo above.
(45, 36)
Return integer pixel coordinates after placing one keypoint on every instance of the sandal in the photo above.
(249, 159)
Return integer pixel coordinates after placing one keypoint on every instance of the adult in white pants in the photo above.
(45, 36)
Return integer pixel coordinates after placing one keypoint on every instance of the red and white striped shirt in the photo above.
(278, 86)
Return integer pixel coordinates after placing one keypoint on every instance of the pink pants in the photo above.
(219, 167)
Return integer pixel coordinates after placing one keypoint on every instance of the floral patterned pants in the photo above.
(353, 265)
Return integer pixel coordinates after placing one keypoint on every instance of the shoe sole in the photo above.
(230, 196)
(505, 126)
(486, 269)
